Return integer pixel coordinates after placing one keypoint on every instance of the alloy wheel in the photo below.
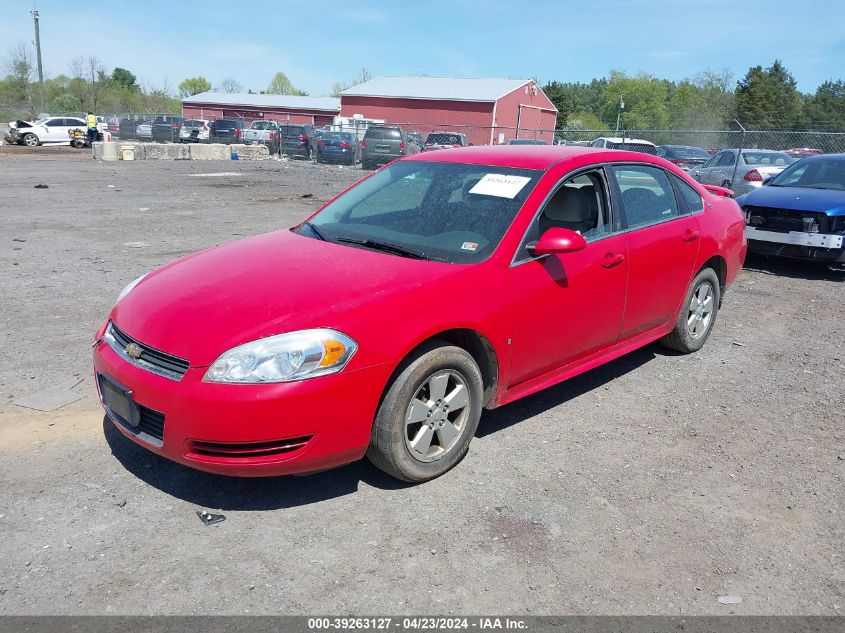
(700, 310)
(437, 415)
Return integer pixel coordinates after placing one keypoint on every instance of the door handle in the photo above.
(612, 259)
(690, 235)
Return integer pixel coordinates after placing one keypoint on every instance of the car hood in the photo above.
(829, 201)
(207, 303)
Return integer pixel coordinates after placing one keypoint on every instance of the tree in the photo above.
(558, 94)
(363, 76)
(645, 99)
(230, 85)
(123, 77)
(825, 110)
(703, 103)
(20, 69)
(768, 99)
(194, 86)
(281, 85)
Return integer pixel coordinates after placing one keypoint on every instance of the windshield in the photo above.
(443, 139)
(828, 173)
(447, 212)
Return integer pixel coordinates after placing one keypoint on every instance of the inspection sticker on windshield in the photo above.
(500, 185)
(469, 246)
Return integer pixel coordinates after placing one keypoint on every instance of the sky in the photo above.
(319, 42)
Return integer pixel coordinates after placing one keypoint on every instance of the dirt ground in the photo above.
(652, 485)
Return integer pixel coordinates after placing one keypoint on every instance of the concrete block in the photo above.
(97, 148)
(137, 148)
(251, 152)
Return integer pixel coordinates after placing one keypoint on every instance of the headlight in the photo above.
(129, 287)
(283, 358)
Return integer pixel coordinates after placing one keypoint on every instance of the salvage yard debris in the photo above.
(210, 519)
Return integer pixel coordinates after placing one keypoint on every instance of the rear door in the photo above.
(663, 242)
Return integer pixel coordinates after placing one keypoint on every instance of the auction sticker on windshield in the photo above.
(500, 185)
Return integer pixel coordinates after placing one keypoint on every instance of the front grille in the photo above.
(786, 220)
(151, 422)
(250, 449)
(151, 359)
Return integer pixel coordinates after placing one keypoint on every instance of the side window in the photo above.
(56, 123)
(712, 161)
(646, 193)
(579, 204)
(726, 159)
(694, 201)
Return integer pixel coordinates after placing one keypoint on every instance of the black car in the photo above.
(684, 156)
(166, 129)
(226, 131)
(297, 140)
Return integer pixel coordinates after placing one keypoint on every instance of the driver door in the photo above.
(569, 305)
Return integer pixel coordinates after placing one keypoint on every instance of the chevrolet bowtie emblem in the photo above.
(133, 350)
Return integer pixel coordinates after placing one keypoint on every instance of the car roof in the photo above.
(527, 156)
(626, 140)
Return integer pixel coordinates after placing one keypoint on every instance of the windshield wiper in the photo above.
(384, 246)
(314, 230)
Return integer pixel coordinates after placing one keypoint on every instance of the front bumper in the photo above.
(248, 430)
(797, 244)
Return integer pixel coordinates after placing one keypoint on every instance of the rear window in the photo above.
(293, 129)
(193, 123)
(337, 136)
(262, 125)
(225, 123)
(778, 159)
(634, 147)
(443, 139)
(383, 133)
(688, 152)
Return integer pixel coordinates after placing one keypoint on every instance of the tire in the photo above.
(695, 322)
(365, 164)
(30, 140)
(406, 450)
(77, 143)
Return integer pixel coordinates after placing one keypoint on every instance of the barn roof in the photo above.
(442, 88)
(331, 104)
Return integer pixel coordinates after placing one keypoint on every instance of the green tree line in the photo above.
(764, 99)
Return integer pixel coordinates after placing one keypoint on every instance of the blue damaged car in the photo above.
(800, 213)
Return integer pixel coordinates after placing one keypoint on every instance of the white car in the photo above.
(51, 130)
(630, 144)
(191, 125)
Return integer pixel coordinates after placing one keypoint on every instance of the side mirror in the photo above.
(557, 240)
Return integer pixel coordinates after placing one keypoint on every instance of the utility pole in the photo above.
(619, 112)
(35, 17)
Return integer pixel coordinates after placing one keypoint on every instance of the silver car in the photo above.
(755, 166)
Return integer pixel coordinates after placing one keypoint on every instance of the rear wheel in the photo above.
(429, 415)
(30, 140)
(697, 315)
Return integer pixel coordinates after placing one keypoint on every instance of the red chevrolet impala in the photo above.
(443, 284)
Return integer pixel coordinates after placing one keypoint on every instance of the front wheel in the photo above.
(429, 415)
(30, 140)
(697, 315)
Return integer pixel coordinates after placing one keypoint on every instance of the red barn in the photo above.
(488, 111)
(317, 111)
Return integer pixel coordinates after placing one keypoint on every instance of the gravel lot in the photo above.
(652, 485)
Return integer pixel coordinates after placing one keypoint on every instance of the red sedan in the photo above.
(443, 284)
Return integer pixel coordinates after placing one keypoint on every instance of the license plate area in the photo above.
(118, 402)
